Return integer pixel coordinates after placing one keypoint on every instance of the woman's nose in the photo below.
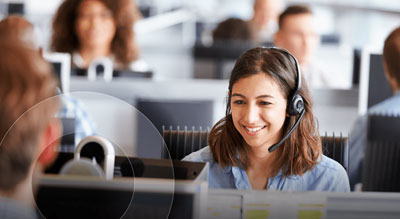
(251, 114)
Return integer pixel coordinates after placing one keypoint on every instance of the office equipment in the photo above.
(356, 66)
(229, 203)
(15, 7)
(181, 142)
(99, 157)
(337, 148)
(381, 167)
(61, 63)
(159, 188)
(168, 112)
(374, 86)
(105, 65)
(117, 73)
(144, 167)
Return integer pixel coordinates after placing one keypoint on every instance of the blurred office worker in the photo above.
(265, 19)
(297, 33)
(18, 27)
(390, 106)
(268, 138)
(90, 29)
(28, 128)
(234, 30)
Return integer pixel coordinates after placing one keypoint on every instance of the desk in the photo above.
(274, 204)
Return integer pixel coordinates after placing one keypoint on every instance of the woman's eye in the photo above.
(238, 102)
(264, 103)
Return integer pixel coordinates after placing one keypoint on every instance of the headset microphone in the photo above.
(295, 105)
(275, 146)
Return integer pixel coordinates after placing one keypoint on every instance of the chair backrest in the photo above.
(381, 166)
(168, 112)
(337, 148)
(182, 142)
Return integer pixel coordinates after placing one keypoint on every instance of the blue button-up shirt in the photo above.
(327, 175)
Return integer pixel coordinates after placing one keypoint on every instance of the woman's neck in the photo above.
(259, 156)
(90, 53)
(260, 166)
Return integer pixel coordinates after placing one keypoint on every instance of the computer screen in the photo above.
(61, 63)
(374, 86)
(152, 193)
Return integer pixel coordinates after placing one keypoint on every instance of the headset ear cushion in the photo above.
(295, 106)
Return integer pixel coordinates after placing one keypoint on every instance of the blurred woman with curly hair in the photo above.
(88, 29)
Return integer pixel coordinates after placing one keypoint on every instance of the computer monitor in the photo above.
(61, 63)
(374, 86)
(150, 195)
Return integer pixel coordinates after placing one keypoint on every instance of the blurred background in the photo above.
(169, 29)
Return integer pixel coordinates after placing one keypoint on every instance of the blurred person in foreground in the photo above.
(28, 128)
(18, 27)
(297, 33)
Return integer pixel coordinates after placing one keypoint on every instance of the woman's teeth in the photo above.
(255, 129)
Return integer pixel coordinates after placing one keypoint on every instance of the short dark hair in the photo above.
(391, 54)
(299, 153)
(233, 29)
(293, 10)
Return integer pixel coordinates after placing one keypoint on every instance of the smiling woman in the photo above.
(88, 29)
(269, 108)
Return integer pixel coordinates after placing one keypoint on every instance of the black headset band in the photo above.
(297, 66)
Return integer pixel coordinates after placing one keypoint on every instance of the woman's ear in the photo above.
(392, 80)
(49, 141)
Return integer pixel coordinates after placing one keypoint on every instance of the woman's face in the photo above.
(95, 25)
(258, 110)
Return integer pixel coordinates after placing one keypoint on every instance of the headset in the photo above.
(295, 104)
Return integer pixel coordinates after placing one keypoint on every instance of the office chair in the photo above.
(168, 112)
(381, 167)
(337, 148)
(182, 142)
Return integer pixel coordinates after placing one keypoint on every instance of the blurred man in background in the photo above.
(264, 22)
(297, 33)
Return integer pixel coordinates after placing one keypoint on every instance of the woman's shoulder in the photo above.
(202, 155)
(328, 164)
(332, 173)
